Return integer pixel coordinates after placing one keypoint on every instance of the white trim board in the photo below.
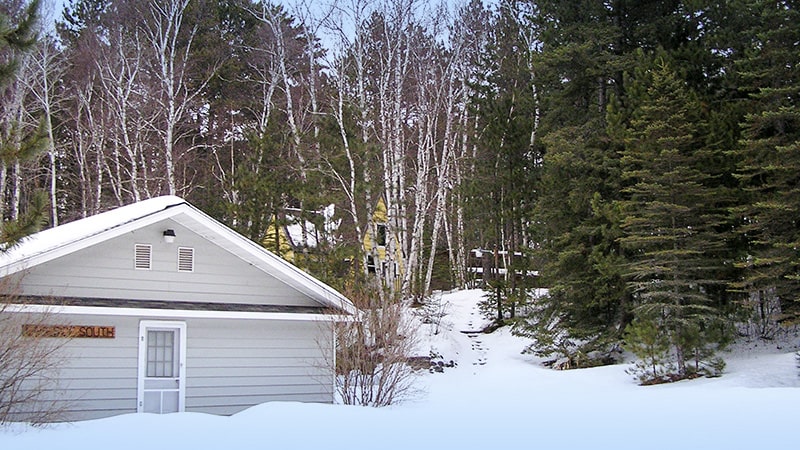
(175, 313)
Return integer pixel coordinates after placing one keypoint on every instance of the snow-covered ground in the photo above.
(494, 397)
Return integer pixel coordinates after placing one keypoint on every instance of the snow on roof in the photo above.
(52, 238)
(295, 231)
(295, 227)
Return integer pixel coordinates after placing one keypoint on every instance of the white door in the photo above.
(162, 366)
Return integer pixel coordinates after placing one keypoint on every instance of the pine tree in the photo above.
(588, 104)
(645, 339)
(574, 222)
(17, 36)
(508, 163)
(671, 217)
(769, 160)
(583, 316)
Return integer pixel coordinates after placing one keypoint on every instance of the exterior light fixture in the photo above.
(169, 236)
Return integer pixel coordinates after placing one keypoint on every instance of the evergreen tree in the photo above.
(509, 159)
(582, 317)
(671, 218)
(645, 339)
(574, 223)
(18, 34)
(588, 103)
(769, 160)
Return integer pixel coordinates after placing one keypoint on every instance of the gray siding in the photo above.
(99, 376)
(230, 365)
(106, 270)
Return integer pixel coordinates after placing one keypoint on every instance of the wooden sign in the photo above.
(68, 331)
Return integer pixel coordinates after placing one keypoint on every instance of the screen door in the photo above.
(162, 373)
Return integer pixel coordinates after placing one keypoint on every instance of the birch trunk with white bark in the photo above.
(118, 70)
(45, 69)
(171, 57)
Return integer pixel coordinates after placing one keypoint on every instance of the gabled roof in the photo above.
(80, 234)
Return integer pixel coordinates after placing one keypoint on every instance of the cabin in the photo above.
(379, 260)
(294, 238)
(299, 240)
(484, 265)
(163, 309)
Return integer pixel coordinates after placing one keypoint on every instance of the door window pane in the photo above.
(160, 354)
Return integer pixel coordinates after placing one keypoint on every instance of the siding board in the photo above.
(286, 387)
(99, 383)
(268, 373)
(230, 355)
(259, 372)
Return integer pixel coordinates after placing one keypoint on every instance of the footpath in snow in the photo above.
(493, 397)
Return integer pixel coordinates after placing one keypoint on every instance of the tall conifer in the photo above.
(574, 222)
(670, 219)
(18, 34)
(769, 160)
(508, 162)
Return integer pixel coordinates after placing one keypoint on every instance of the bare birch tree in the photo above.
(119, 66)
(86, 137)
(347, 178)
(467, 38)
(346, 26)
(281, 33)
(46, 69)
(171, 44)
(402, 87)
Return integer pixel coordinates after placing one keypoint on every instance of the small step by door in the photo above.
(162, 366)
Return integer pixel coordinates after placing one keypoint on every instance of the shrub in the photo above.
(643, 339)
(28, 364)
(372, 353)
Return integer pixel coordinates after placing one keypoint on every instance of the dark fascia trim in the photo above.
(174, 305)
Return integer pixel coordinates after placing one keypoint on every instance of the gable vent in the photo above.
(185, 259)
(143, 256)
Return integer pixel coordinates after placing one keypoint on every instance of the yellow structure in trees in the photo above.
(276, 240)
(377, 249)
